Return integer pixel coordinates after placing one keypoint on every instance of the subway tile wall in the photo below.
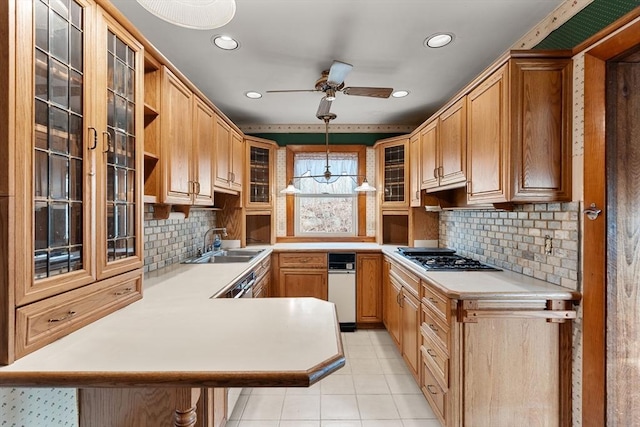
(169, 241)
(516, 240)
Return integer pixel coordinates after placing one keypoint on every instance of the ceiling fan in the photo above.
(332, 81)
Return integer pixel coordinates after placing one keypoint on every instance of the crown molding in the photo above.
(320, 128)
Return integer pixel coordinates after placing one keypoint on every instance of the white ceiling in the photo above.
(285, 44)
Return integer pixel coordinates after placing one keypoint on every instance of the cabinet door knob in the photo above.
(592, 212)
(433, 327)
(433, 301)
(431, 353)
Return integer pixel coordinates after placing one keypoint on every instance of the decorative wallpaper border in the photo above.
(552, 22)
(319, 128)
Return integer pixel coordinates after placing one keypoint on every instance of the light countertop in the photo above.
(177, 335)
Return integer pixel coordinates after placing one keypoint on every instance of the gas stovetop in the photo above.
(442, 259)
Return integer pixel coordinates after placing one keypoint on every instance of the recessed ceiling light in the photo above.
(253, 95)
(400, 93)
(438, 40)
(224, 42)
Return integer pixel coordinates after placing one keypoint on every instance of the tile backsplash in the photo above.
(169, 241)
(519, 240)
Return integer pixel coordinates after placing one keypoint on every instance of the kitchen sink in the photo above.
(224, 257)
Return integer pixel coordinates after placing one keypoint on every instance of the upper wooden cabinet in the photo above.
(414, 171)
(229, 157)
(392, 157)
(260, 173)
(443, 144)
(429, 162)
(186, 143)
(519, 132)
(452, 146)
(75, 160)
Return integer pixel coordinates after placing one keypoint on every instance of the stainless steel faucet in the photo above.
(204, 240)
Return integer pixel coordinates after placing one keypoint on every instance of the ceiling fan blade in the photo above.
(323, 108)
(337, 73)
(375, 92)
(292, 90)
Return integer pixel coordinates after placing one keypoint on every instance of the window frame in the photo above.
(361, 214)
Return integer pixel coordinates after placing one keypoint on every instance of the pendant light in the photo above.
(364, 187)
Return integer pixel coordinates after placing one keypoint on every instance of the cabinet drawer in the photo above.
(436, 301)
(435, 358)
(435, 395)
(407, 279)
(45, 321)
(434, 327)
(303, 259)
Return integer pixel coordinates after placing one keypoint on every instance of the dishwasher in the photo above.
(342, 288)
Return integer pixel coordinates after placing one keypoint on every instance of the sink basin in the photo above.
(225, 257)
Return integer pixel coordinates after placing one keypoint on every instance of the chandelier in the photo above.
(327, 175)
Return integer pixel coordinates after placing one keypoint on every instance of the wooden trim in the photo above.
(594, 237)
(294, 239)
(7, 100)
(361, 150)
(608, 30)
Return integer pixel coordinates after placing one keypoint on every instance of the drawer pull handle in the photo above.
(124, 291)
(68, 315)
(431, 353)
(433, 328)
(432, 389)
(433, 301)
(304, 260)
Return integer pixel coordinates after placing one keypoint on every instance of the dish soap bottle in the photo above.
(216, 242)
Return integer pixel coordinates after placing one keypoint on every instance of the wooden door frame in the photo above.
(594, 236)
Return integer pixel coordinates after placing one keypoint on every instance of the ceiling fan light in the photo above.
(194, 14)
(331, 94)
(438, 40)
(364, 187)
(400, 93)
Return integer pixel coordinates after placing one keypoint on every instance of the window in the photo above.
(326, 210)
(326, 207)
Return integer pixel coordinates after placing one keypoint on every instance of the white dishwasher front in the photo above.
(342, 288)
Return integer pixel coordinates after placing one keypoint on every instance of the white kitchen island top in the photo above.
(178, 336)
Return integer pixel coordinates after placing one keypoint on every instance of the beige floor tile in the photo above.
(300, 407)
(361, 352)
(394, 366)
(387, 352)
(338, 423)
(263, 407)
(261, 423)
(236, 414)
(313, 390)
(420, 423)
(365, 366)
(337, 384)
(299, 423)
(402, 384)
(382, 423)
(413, 406)
(356, 338)
(339, 407)
(377, 407)
(371, 384)
(380, 337)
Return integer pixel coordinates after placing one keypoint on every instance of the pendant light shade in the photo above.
(194, 14)
(364, 187)
(290, 189)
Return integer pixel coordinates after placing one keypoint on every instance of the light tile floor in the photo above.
(373, 389)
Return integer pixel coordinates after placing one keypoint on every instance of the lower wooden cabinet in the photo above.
(410, 309)
(368, 289)
(301, 274)
(391, 306)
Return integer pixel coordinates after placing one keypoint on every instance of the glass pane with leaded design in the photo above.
(259, 175)
(394, 174)
(58, 158)
(121, 167)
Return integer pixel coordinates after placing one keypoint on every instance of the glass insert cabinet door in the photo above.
(119, 151)
(394, 173)
(259, 170)
(61, 213)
